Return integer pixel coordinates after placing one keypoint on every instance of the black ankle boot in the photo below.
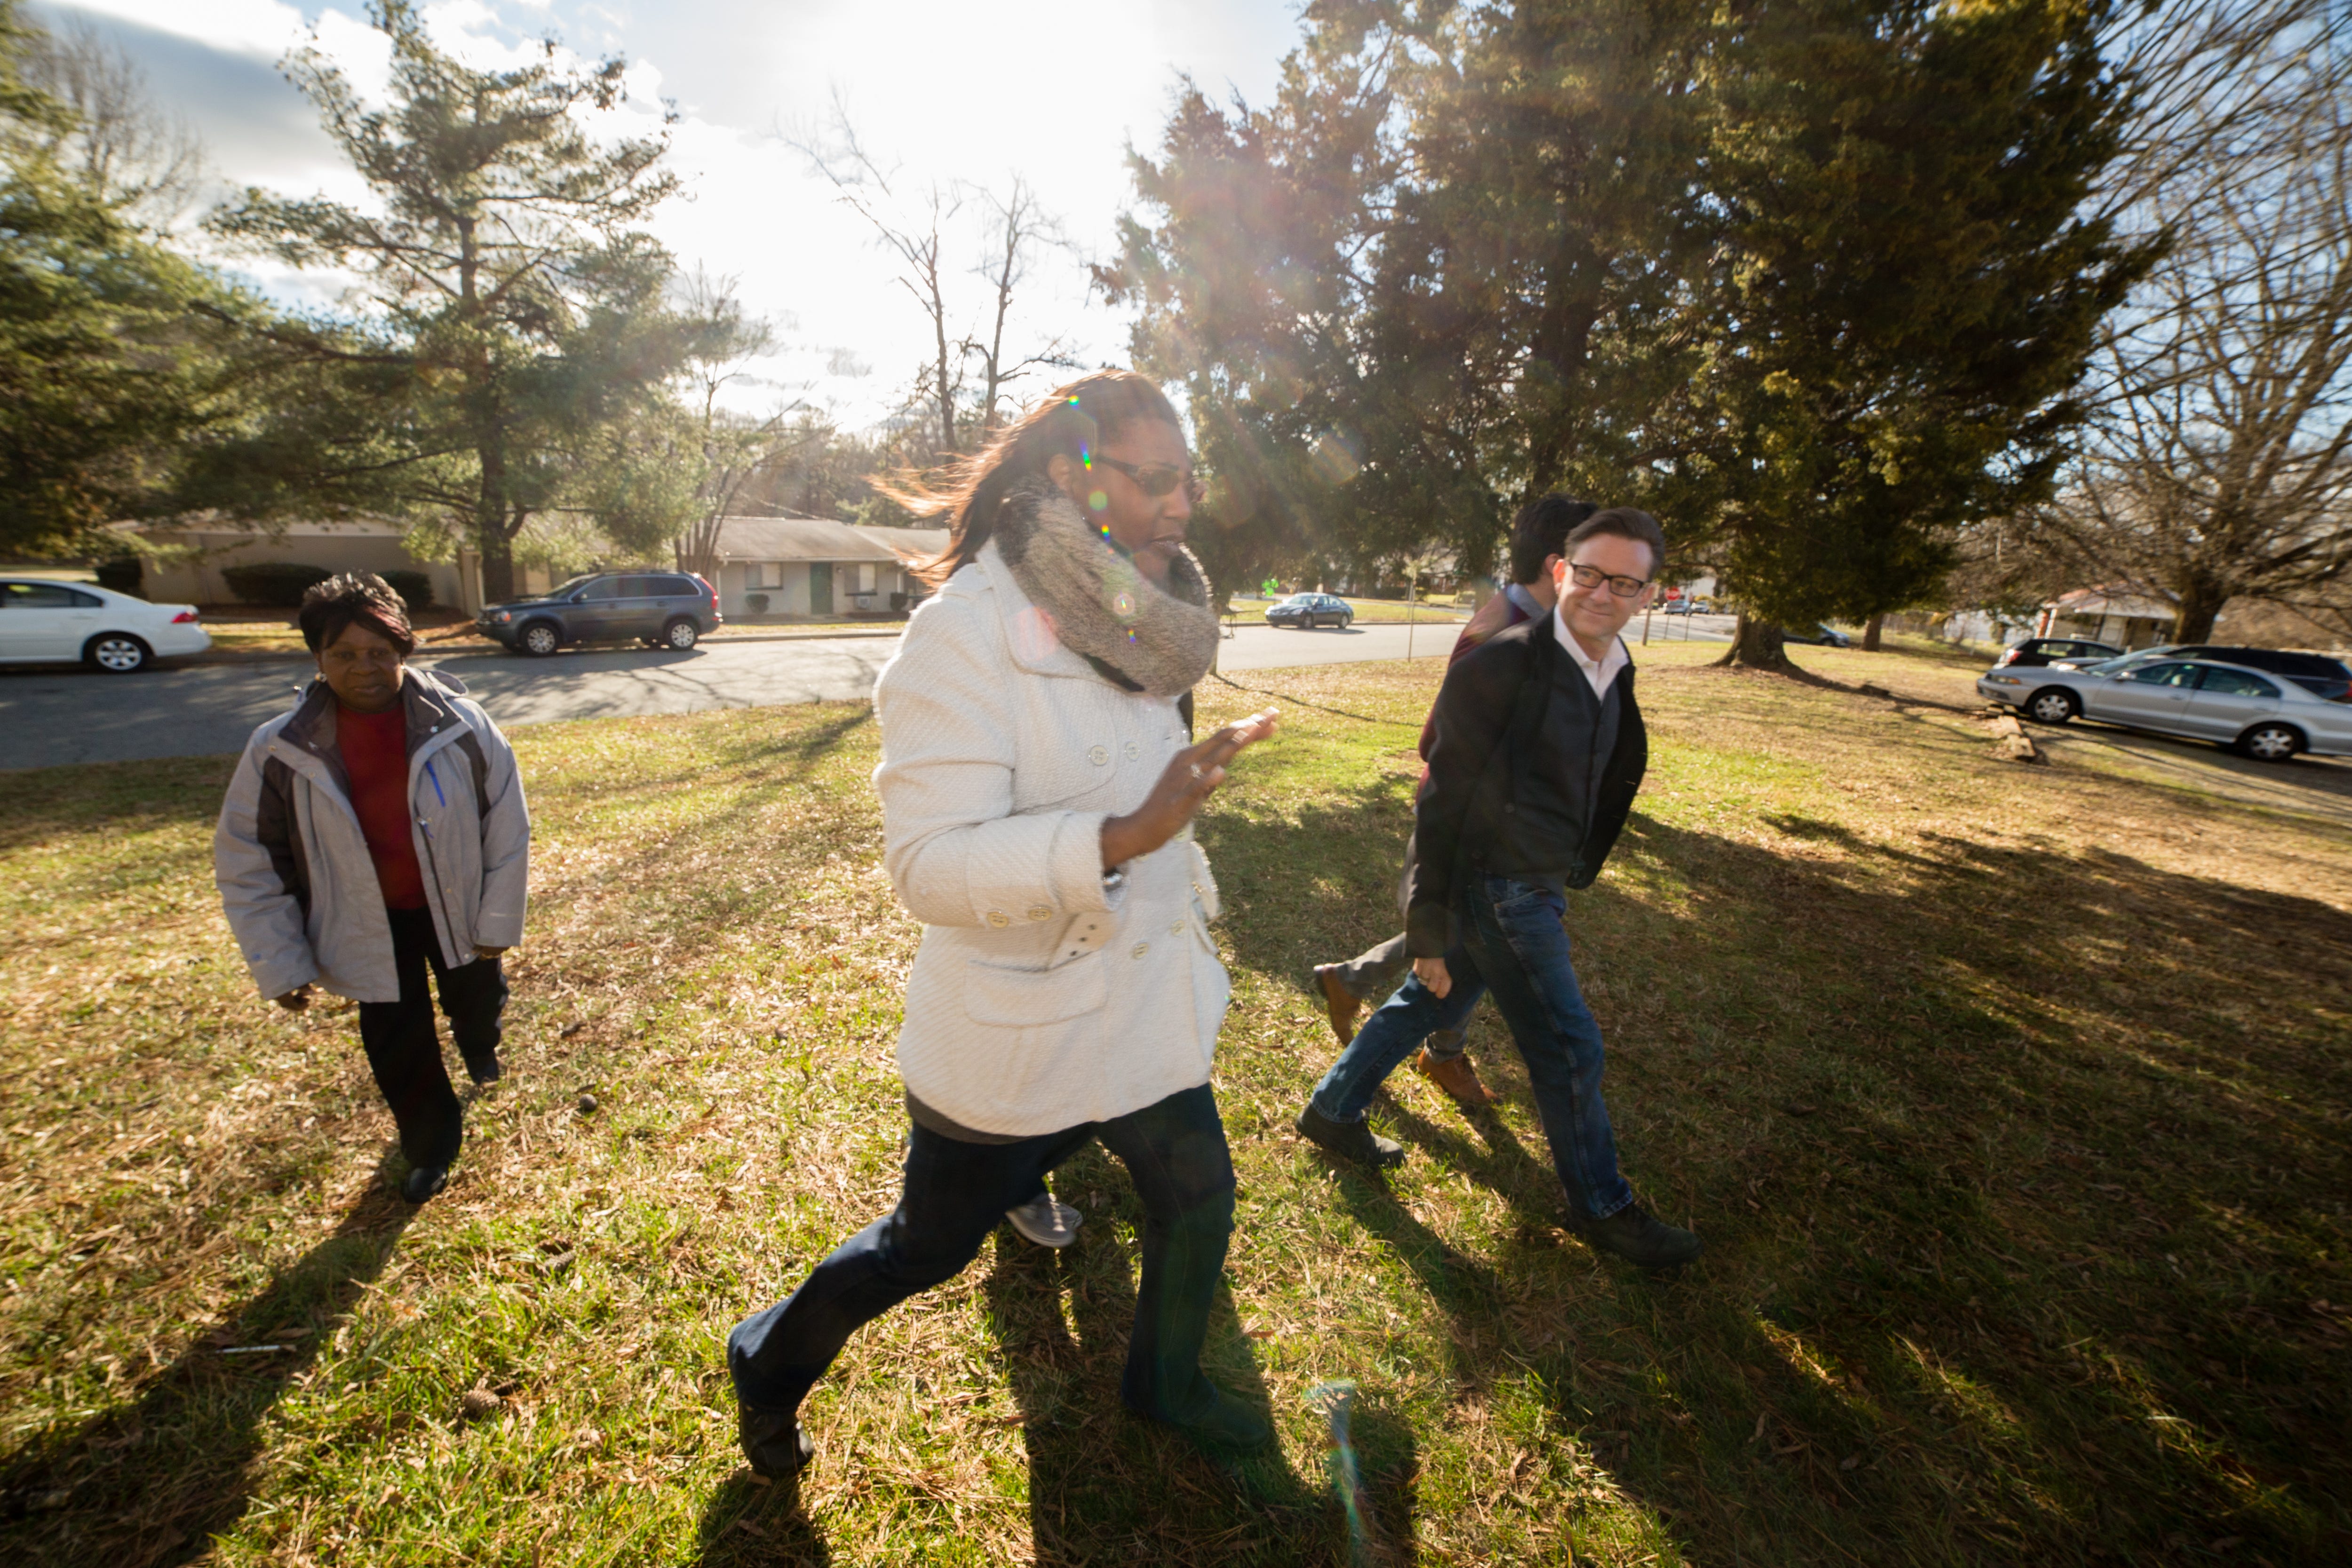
(1225, 1425)
(1348, 1140)
(423, 1182)
(774, 1444)
(1637, 1237)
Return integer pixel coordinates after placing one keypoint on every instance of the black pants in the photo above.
(404, 1049)
(956, 1193)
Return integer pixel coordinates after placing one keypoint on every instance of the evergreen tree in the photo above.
(512, 345)
(1905, 292)
(110, 355)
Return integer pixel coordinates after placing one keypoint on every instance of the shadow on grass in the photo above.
(2021, 1173)
(1104, 1483)
(147, 1483)
(749, 1522)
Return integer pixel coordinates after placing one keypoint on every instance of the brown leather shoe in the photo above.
(1338, 1002)
(1455, 1075)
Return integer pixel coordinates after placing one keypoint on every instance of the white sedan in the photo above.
(2266, 717)
(47, 622)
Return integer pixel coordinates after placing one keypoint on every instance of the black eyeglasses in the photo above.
(1156, 479)
(1593, 576)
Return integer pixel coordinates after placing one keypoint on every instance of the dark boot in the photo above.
(423, 1182)
(484, 1069)
(1226, 1426)
(774, 1444)
(1637, 1237)
(1353, 1141)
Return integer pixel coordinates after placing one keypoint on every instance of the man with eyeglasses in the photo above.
(1539, 750)
(1538, 541)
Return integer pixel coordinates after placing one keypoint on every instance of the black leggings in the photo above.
(404, 1049)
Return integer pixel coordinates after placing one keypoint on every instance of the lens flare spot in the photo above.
(1123, 606)
(1098, 500)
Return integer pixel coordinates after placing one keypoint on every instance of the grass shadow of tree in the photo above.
(1936, 1151)
(149, 1482)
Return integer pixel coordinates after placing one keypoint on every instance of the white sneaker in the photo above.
(1046, 1220)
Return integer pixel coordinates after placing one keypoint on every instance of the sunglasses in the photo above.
(1156, 479)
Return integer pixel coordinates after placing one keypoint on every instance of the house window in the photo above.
(865, 578)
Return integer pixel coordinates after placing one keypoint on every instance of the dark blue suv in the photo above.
(666, 609)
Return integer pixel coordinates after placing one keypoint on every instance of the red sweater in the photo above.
(376, 754)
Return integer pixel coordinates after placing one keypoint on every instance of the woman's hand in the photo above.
(481, 951)
(1195, 772)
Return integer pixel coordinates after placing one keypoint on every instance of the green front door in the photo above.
(820, 587)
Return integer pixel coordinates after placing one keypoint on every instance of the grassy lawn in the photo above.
(2011, 1100)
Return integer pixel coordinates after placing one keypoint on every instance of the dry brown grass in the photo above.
(2011, 1100)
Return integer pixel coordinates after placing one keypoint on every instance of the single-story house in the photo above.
(807, 566)
(914, 547)
(196, 552)
(2119, 615)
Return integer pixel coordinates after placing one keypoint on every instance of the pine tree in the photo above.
(511, 347)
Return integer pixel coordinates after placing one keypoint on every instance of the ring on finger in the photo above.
(1196, 769)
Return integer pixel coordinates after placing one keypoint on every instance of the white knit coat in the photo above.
(1040, 998)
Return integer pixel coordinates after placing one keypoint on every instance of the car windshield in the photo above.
(565, 590)
(1299, 599)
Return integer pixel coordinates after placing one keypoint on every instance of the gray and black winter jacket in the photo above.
(293, 867)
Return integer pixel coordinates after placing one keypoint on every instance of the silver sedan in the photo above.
(2264, 716)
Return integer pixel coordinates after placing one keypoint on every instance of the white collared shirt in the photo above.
(1601, 672)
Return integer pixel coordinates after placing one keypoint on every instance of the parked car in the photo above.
(1823, 634)
(1687, 606)
(1308, 611)
(2266, 717)
(2327, 679)
(668, 610)
(47, 622)
(2034, 653)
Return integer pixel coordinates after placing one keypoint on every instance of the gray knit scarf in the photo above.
(1137, 634)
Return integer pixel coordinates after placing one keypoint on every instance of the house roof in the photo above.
(2115, 599)
(911, 545)
(796, 539)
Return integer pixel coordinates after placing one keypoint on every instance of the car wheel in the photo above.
(2052, 706)
(117, 653)
(681, 635)
(539, 639)
(2271, 742)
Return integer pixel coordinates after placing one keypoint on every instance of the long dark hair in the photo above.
(1073, 420)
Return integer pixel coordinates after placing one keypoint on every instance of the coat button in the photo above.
(999, 918)
(1041, 912)
(1134, 752)
(1141, 948)
(1099, 755)
(1177, 929)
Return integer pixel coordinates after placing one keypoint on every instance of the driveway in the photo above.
(51, 716)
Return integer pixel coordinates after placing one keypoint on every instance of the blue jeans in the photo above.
(956, 1193)
(1512, 943)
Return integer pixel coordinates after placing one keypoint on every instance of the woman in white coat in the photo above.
(1037, 789)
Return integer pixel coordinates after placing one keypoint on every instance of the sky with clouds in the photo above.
(942, 91)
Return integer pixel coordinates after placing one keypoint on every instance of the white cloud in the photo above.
(1054, 90)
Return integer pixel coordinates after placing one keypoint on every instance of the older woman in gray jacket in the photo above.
(1037, 789)
(373, 835)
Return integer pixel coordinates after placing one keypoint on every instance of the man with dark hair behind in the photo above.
(375, 834)
(1538, 536)
(1538, 753)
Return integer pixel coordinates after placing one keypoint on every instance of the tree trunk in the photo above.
(1755, 644)
(1870, 633)
(2201, 606)
(498, 565)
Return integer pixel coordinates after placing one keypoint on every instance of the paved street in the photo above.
(54, 716)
